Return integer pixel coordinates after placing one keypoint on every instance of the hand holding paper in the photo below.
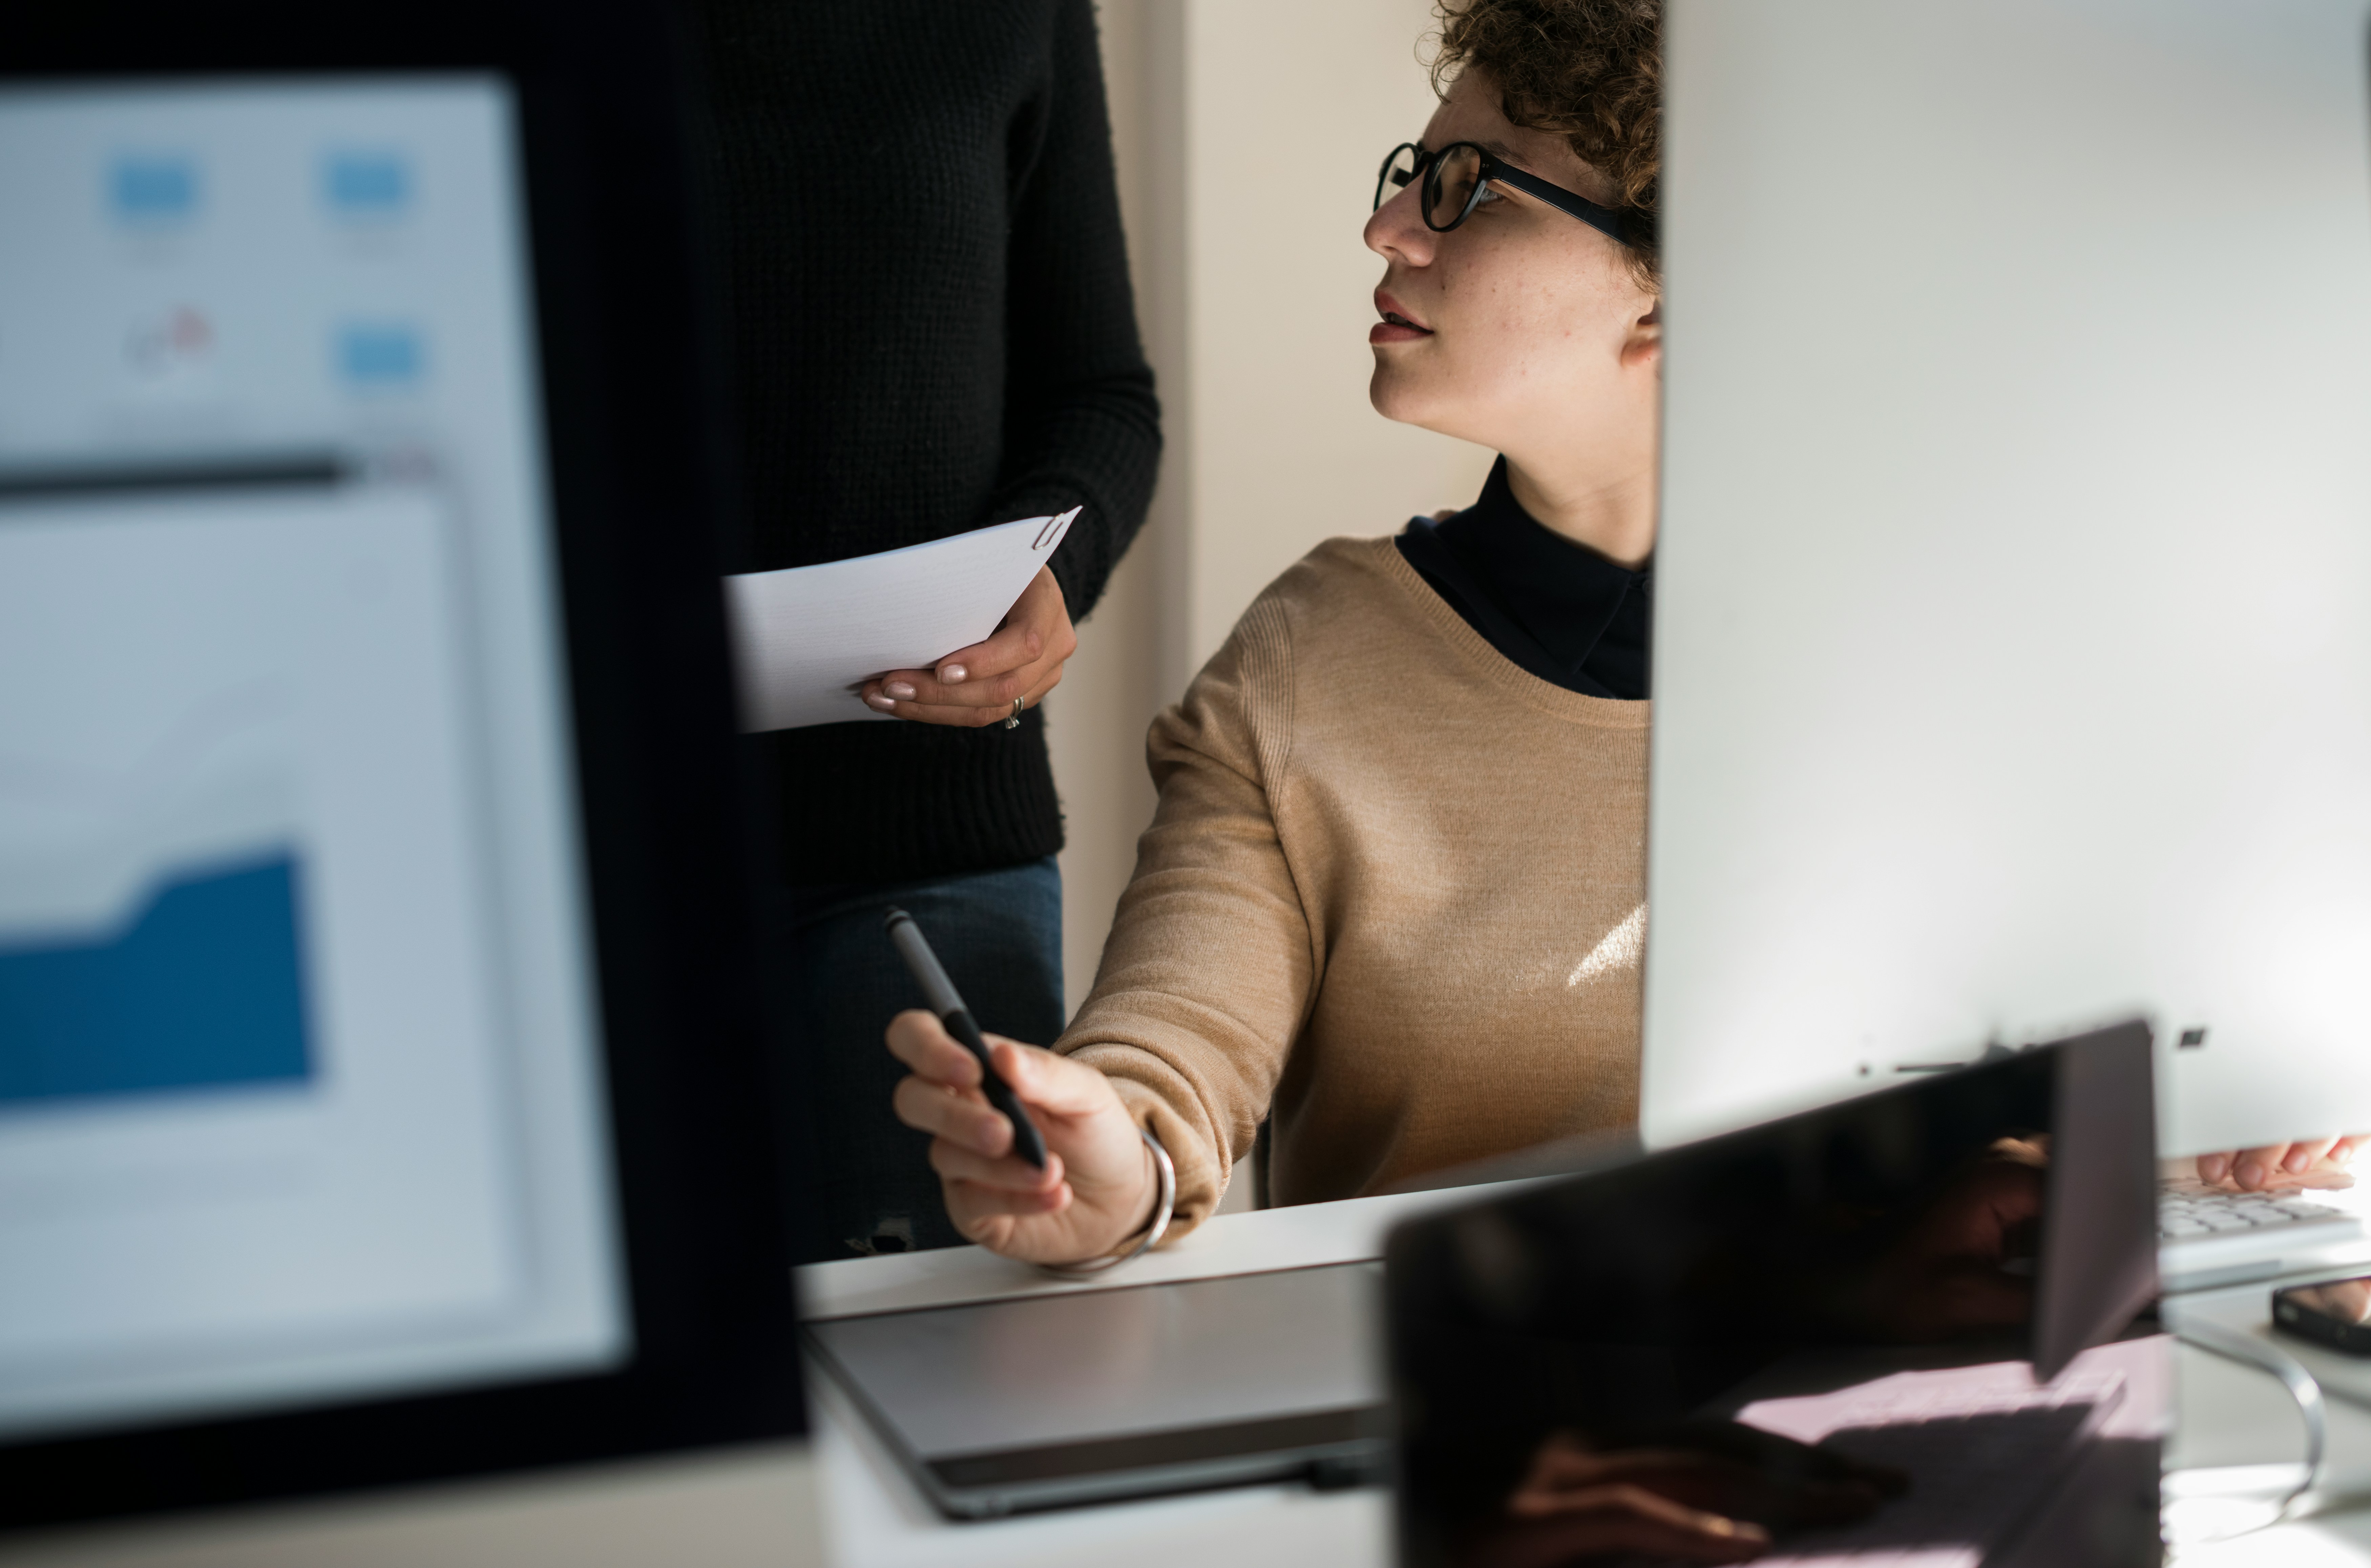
(975, 686)
(811, 641)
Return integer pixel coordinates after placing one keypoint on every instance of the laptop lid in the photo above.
(1983, 1234)
(1050, 1401)
(381, 1087)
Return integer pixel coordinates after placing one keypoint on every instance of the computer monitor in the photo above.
(382, 1085)
(2013, 633)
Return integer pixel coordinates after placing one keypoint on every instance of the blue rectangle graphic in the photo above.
(205, 989)
(149, 190)
(366, 184)
(379, 354)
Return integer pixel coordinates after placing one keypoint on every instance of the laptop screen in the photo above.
(1885, 1325)
(300, 1091)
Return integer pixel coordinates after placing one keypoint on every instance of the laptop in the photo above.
(1004, 1407)
(1907, 1328)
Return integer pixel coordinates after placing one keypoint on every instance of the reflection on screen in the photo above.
(1808, 1343)
(299, 1094)
(2342, 1301)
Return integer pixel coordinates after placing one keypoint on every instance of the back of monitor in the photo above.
(2013, 657)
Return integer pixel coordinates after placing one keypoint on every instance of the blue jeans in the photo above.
(1000, 935)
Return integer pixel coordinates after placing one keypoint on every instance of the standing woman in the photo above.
(932, 331)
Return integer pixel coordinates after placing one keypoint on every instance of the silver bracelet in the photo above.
(1167, 1174)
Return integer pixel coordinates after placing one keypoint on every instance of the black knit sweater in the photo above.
(928, 302)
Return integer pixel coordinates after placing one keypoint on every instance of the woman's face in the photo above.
(1523, 329)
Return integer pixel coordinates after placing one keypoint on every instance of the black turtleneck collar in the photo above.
(1558, 608)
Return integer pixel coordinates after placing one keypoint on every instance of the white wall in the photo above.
(1247, 135)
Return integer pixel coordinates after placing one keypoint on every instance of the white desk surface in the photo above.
(2229, 1416)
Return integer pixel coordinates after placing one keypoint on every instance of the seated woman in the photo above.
(1393, 893)
(1394, 887)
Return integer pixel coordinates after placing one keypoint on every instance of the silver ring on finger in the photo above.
(1013, 719)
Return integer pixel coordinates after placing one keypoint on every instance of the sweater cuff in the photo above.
(1201, 1173)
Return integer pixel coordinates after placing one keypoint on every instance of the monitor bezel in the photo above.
(639, 469)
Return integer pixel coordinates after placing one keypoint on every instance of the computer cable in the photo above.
(2249, 1349)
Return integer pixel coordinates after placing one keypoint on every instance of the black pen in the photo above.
(939, 992)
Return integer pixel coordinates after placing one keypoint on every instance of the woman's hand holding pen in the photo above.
(1098, 1185)
(975, 686)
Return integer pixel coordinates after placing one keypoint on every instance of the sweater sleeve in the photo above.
(1210, 967)
(1083, 426)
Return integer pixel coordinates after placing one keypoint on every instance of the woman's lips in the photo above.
(1396, 326)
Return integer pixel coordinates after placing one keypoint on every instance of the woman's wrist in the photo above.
(1144, 1200)
(1164, 1172)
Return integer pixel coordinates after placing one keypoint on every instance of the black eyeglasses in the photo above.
(1455, 177)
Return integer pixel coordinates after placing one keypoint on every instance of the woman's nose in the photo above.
(1396, 229)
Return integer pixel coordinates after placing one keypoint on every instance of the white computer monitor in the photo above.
(2013, 650)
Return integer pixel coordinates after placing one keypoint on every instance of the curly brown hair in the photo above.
(1592, 70)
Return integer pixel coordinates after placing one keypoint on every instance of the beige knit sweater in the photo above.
(1393, 887)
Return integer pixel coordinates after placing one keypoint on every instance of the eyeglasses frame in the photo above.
(1603, 219)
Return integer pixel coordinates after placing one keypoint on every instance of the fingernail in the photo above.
(901, 690)
(884, 703)
(953, 674)
(2213, 1168)
(2298, 1159)
(2250, 1173)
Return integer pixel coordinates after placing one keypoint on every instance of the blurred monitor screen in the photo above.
(300, 1088)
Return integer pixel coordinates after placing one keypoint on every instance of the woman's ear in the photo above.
(1645, 344)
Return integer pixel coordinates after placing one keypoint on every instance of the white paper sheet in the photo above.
(807, 637)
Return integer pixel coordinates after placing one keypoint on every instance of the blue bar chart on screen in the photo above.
(152, 918)
(203, 988)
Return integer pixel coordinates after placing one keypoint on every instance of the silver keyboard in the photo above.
(2193, 1216)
